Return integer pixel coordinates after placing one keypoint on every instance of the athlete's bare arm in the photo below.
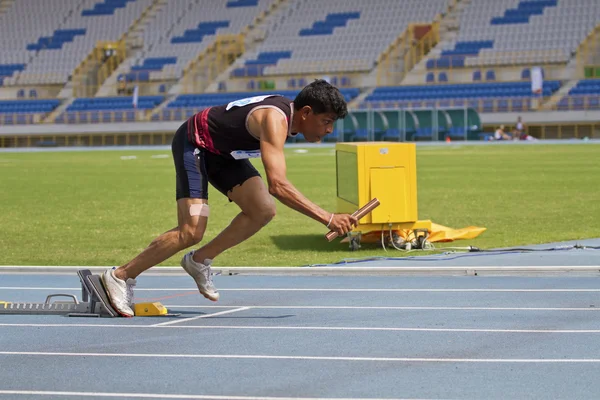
(273, 130)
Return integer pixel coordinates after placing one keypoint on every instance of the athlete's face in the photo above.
(316, 126)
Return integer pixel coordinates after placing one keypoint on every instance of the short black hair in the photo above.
(322, 97)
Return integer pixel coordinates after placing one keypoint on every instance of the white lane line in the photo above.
(420, 308)
(307, 358)
(171, 396)
(310, 328)
(177, 321)
(508, 290)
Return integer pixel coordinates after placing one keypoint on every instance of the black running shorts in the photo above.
(195, 168)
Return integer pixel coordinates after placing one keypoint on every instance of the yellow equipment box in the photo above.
(386, 170)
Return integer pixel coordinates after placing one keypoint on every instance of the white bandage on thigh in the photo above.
(199, 209)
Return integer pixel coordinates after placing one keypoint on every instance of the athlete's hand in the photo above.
(342, 223)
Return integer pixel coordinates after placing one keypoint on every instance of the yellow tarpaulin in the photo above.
(438, 233)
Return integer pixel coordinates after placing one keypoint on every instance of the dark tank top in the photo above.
(223, 129)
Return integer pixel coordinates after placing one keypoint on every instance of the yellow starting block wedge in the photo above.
(4, 304)
(150, 309)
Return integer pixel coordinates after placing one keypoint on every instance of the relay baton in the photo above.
(358, 214)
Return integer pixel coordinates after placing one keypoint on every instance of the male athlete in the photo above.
(214, 146)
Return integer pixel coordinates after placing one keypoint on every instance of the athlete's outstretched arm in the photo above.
(273, 133)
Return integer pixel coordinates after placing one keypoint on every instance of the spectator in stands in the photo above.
(108, 53)
(121, 85)
(501, 135)
(214, 146)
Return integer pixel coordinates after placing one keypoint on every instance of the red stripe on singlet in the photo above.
(200, 133)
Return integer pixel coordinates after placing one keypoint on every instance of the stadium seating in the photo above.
(43, 42)
(17, 112)
(107, 109)
(7, 70)
(509, 32)
(584, 95)
(114, 103)
(105, 7)
(28, 106)
(336, 35)
(52, 37)
(183, 29)
(501, 96)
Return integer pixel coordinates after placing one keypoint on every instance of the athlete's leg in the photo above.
(257, 209)
(192, 191)
(189, 232)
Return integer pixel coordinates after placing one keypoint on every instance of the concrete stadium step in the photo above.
(58, 110)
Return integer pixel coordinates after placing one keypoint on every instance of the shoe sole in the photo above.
(110, 299)
(207, 296)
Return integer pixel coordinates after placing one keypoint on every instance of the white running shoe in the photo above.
(120, 292)
(201, 274)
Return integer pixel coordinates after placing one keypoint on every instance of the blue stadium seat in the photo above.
(56, 41)
(22, 111)
(331, 21)
(203, 29)
(255, 67)
(241, 3)
(524, 10)
(584, 95)
(471, 93)
(107, 7)
(455, 58)
(106, 109)
(154, 64)
(469, 48)
(114, 103)
(588, 86)
(7, 70)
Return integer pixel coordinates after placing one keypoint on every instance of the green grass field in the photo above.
(96, 209)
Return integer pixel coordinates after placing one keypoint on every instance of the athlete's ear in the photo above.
(304, 111)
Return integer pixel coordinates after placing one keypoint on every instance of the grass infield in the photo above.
(96, 208)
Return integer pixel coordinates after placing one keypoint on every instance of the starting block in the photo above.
(94, 303)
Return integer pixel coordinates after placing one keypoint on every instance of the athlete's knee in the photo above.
(263, 214)
(190, 235)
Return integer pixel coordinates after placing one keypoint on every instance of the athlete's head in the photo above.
(317, 107)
